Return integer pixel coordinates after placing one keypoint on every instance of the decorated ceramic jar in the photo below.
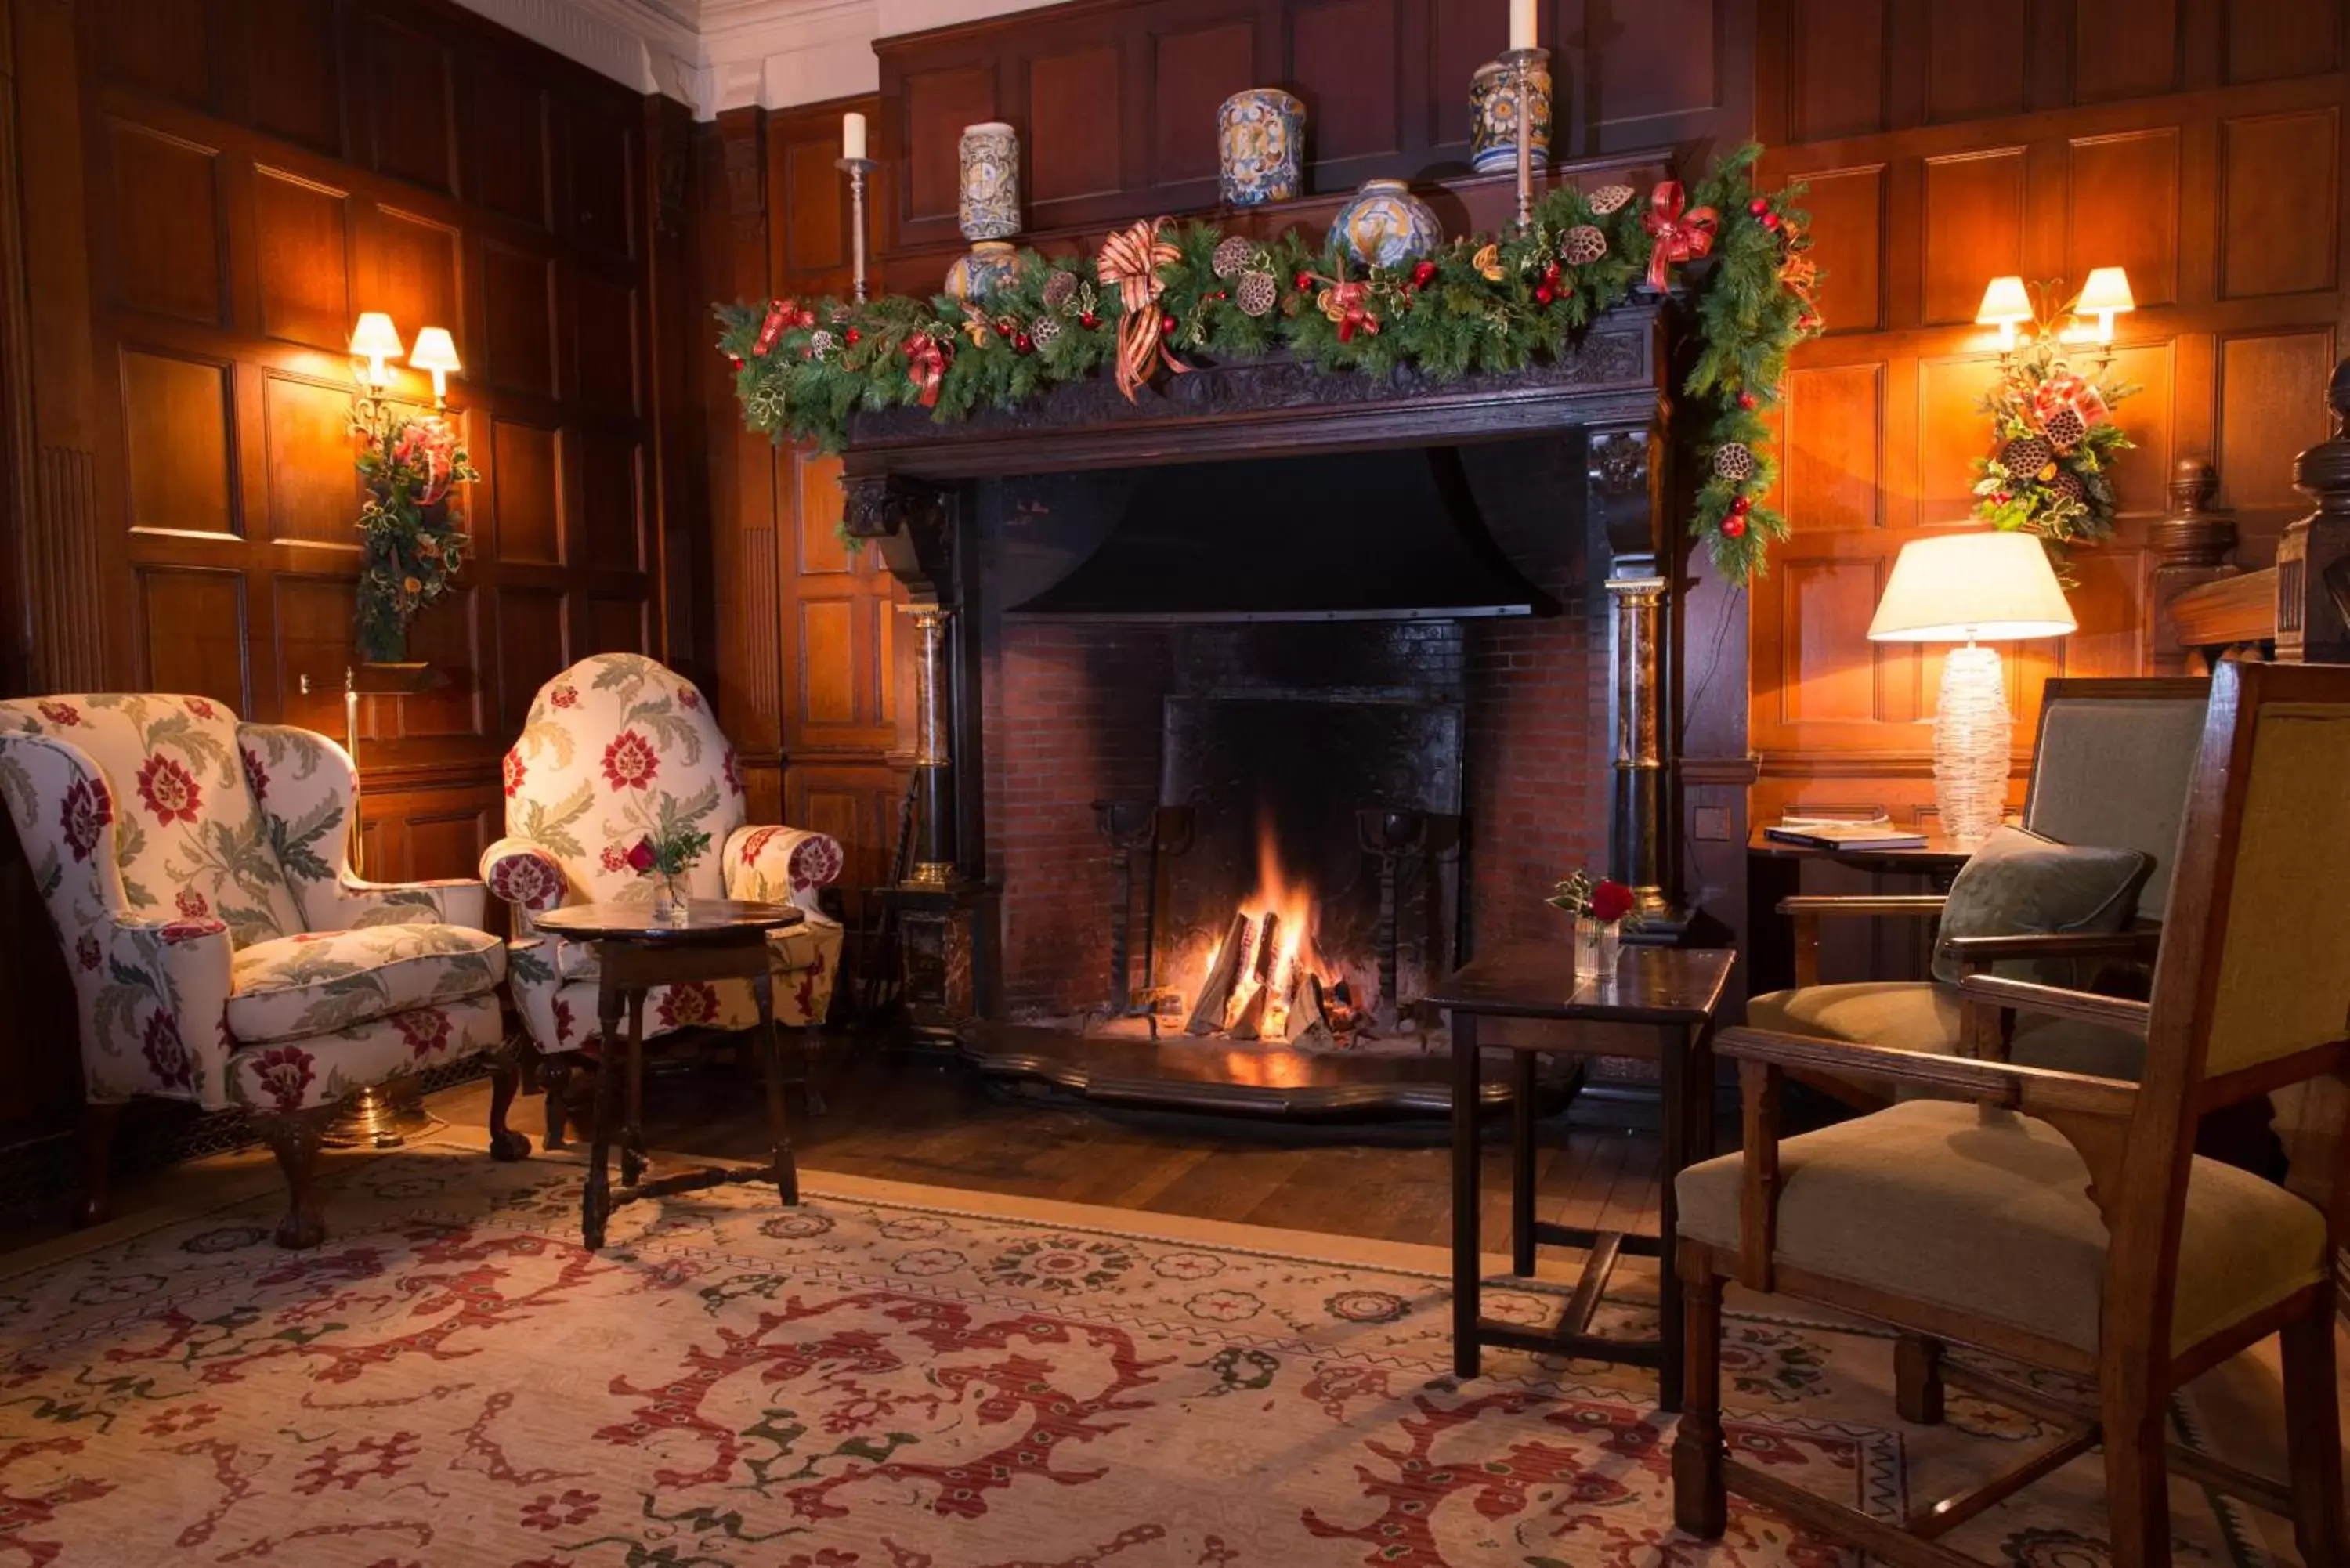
(1386, 225)
(1261, 139)
(991, 182)
(975, 277)
(1493, 115)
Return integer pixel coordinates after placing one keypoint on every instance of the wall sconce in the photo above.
(2009, 302)
(375, 340)
(436, 351)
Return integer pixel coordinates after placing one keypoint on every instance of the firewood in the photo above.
(1216, 992)
(1248, 1023)
(1304, 1005)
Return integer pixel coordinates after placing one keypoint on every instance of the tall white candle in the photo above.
(852, 135)
(1521, 24)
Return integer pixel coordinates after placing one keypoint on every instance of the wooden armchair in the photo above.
(2063, 1219)
(2109, 768)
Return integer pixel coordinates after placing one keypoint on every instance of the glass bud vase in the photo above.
(668, 900)
(1596, 945)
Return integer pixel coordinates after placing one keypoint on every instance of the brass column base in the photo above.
(378, 1117)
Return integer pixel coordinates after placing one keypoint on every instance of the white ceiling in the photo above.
(717, 55)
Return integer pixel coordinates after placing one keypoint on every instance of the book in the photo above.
(1845, 836)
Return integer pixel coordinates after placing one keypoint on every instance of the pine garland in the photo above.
(1482, 304)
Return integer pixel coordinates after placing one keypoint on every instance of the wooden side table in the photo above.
(1676, 991)
(720, 939)
(1774, 872)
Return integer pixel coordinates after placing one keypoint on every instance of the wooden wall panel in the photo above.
(176, 427)
(1848, 214)
(2125, 209)
(526, 483)
(1193, 69)
(302, 254)
(2126, 48)
(1980, 53)
(518, 295)
(417, 275)
(314, 490)
(937, 106)
(1835, 68)
(2280, 233)
(2267, 40)
(195, 633)
(294, 72)
(1349, 51)
(531, 650)
(166, 210)
(1077, 107)
(410, 103)
(1834, 463)
(1974, 228)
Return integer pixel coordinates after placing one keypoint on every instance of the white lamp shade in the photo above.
(1971, 587)
(435, 351)
(2005, 301)
(2108, 293)
(375, 338)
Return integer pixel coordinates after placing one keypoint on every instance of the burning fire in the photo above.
(1285, 910)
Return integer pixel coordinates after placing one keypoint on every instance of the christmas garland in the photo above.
(2054, 437)
(1484, 304)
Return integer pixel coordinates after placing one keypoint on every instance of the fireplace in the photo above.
(1251, 708)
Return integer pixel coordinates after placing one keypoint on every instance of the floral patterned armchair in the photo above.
(221, 951)
(609, 745)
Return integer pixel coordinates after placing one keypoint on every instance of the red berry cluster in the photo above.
(1553, 285)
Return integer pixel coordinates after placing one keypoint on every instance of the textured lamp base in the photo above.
(1972, 730)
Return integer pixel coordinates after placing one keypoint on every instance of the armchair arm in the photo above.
(2029, 996)
(1805, 910)
(304, 785)
(524, 875)
(2035, 1091)
(156, 1011)
(781, 865)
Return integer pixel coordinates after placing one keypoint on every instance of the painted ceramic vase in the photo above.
(1261, 141)
(991, 182)
(975, 277)
(1386, 225)
(1493, 116)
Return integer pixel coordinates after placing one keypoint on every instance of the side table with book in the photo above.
(1778, 946)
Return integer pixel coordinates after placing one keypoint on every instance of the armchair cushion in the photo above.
(1920, 1015)
(2020, 884)
(1991, 1215)
(323, 981)
(318, 1069)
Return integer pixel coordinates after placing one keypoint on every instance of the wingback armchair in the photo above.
(609, 745)
(222, 949)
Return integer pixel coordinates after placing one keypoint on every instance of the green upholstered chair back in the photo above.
(2111, 768)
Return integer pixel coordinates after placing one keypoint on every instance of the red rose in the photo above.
(640, 856)
(1610, 902)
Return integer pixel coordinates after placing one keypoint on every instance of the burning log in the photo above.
(1304, 1005)
(1216, 992)
(1249, 1024)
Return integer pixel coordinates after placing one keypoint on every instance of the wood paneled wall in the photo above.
(1116, 101)
(2198, 142)
(210, 194)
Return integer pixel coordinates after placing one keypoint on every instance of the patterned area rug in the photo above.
(892, 1377)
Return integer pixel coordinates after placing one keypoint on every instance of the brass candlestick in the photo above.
(1522, 65)
(857, 169)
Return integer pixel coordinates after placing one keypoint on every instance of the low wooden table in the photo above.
(719, 939)
(1676, 990)
(1774, 871)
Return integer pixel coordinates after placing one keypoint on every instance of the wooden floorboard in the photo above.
(914, 1116)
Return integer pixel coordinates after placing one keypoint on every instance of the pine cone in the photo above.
(1611, 199)
(1231, 256)
(2065, 429)
(1583, 246)
(1259, 291)
(1734, 461)
(1044, 329)
(2026, 456)
(1059, 289)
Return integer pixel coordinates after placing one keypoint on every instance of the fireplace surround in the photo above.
(1270, 618)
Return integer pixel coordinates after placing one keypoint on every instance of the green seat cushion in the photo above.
(1989, 1215)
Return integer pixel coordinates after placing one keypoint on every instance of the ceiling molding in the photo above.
(717, 55)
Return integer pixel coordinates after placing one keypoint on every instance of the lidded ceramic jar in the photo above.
(974, 276)
(1386, 225)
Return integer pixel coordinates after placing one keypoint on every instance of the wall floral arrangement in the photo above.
(2055, 442)
(1160, 295)
(411, 524)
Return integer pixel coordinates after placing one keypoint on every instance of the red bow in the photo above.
(1680, 235)
(1350, 304)
(781, 314)
(926, 363)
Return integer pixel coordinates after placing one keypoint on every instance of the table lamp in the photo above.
(1971, 589)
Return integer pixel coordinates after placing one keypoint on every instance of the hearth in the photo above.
(1256, 705)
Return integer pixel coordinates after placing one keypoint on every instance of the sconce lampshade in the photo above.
(375, 338)
(435, 351)
(1971, 587)
(2108, 293)
(2004, 303)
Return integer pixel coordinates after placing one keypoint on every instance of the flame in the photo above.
(1293, 901)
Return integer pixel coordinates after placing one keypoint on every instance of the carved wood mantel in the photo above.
(909, 482)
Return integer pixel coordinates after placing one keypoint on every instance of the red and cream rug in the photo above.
(891, 1377)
